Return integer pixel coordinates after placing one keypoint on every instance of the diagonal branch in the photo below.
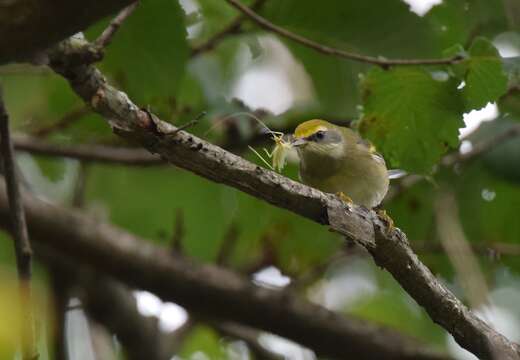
(22, 245)
(234, 27)
(327, 50)
(106, 37)
(140, 264)
(63, 123)
(390, 249)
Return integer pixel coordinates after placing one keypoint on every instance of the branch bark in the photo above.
(22, 245)
(390, 249)
(141, 264)
(87, 153)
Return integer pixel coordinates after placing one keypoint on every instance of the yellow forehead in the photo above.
(308, 128)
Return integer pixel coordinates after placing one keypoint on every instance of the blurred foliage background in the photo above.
(413, 115)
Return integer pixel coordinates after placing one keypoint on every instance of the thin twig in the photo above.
(188, 124)
(482, 147)
(233, 28)
(108, 34)
(20, 235)
(228, 245)
(66, 120)
(98, 153)
(456, 157)
(267, 25)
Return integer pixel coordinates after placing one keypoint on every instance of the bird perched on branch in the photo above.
(336, 159)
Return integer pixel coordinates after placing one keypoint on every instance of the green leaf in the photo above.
(410, 116)
(449, 22)
(335, 81)
(149, 52)
(485, 78)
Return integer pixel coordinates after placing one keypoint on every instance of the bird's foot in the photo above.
(387, 220)
(344, 197)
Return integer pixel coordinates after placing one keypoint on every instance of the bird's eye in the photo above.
(319, 135)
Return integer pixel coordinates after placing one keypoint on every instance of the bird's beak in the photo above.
(298, 142)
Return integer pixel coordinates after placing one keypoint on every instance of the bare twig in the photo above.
(267, 25)
(22, 245)
(456, 157)
(482, 147)
(188, 124)
(67, 120)
(228, 245)
(233, 28)
(178, 232)
(106, 37)
(98, 153)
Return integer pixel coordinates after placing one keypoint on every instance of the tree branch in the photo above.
(98, 153)
(108, 34)
(22, 245)
(141, 264)
(64, 122)
(267, 25)
(390, 249)
(482, 147)
(40, 28)
(234, 27)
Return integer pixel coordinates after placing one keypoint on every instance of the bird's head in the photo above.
(320, 138)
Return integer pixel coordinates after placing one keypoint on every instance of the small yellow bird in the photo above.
(336, 159)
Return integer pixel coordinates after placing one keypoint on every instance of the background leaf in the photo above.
(410, 116)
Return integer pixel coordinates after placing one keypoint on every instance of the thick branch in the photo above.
(18, 225)
(390, 249)
(267, 25)
(140, 264)
(27, 26)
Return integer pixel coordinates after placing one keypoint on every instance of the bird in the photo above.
(336, 159)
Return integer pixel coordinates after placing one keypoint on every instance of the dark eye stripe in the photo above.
(325, 136)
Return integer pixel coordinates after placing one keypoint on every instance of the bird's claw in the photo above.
(344, 197)
(387, 220)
